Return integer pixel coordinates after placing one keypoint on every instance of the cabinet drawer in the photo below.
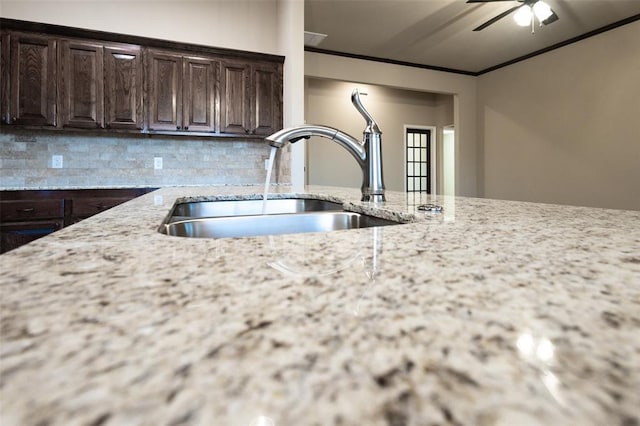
(17, 234)
(21, 210)
(94, 205)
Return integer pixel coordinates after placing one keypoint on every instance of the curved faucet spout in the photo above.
(294, 134)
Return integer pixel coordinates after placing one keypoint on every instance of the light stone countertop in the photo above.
(491, 313)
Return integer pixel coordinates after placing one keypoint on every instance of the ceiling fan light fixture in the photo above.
(542, 10)
(523, 16)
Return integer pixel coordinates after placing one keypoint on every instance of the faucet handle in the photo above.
(372, 126)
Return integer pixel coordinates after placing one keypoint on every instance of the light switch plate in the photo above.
(157, 163)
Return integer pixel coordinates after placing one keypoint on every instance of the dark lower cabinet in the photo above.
(28, 209)
(16, 234)
(23, 220)
(83, 207)
(28, 215)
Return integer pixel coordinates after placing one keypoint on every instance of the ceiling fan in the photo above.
(526, 13)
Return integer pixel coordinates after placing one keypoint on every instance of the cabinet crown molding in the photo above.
(64, 31)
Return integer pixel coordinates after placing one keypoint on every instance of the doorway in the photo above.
(419, 159)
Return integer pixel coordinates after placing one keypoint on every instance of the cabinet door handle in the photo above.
(186, 127)
(177, 127)
(26, 210)
(14, 119)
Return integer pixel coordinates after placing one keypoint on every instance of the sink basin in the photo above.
(252, 207)
(271, 224)
(250, 218)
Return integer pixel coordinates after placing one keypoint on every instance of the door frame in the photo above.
(432, 167)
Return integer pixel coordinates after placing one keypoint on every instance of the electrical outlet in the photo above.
(56, 161)
(157, 163)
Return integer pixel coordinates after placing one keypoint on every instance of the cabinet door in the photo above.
(33, 80)
(81, 84)
(14, 235)
(4, 78)
(199, 94)
(164, 90)
(235, 114)
(123, 87)
(266, 99)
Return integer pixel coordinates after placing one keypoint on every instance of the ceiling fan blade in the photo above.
(484, 1)
(496, 18)
(551, 19)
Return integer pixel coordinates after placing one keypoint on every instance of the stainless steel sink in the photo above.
(271, 224)
(249, 218)
(252, 207)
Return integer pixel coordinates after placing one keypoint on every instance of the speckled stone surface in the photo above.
(491, 313)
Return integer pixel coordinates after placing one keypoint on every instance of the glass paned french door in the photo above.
(418, 143)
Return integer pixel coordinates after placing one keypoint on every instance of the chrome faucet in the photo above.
(367, 153)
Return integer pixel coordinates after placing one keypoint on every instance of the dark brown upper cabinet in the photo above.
(60, 77)
(235, 102)
(200, 94)
(100, 85)
(123, 87)
(32, 80)
(68, 83)
(81, 88)
(182, 92)
(251, 98)
(266, 98)
(164, 90)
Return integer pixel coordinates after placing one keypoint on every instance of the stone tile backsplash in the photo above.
(97, 160)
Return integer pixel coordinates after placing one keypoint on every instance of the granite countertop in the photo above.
(491, 313)
(79, 187)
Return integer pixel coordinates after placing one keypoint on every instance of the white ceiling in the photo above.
(439, 33)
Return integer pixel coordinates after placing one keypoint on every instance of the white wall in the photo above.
(448, 178)
(463, 88)
(328, 102)
(564, 127)
(291, 42)
(239, 24)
